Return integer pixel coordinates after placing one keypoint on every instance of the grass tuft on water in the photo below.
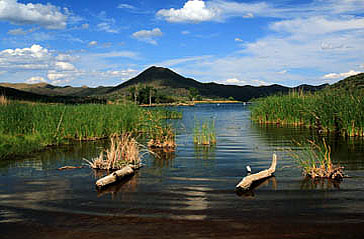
(315, 161)
(204, 133)
(124, 150)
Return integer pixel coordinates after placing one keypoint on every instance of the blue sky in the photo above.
(249, 42)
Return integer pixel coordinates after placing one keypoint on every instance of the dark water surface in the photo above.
(189, 193)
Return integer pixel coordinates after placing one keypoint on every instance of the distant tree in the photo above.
(194, 93)
(134, 93)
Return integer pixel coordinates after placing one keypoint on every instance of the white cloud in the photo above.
(148, 35)
(185, 32)
(237, 39)
(35, 79)
(126, 6)
(48, 16)
(192, 11)
(323, 25)
(282, 72)
(232, 81)
(106, 27)
(340, 75)
(196, 11)
(18, 31)
(64, 66)
(249, 15)
(92, 43)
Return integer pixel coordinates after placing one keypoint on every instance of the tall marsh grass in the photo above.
(336, 111)
(28, 127)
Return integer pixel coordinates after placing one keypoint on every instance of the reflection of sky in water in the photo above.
(192, 183)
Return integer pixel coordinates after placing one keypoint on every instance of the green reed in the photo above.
(328, 110)
(28, 127)
(204, 133)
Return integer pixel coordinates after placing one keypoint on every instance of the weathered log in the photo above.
(248, 180)
(115, 176)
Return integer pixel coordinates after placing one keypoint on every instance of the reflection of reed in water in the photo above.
(256, 185)
(127, 185)
(319, 183)
(205, 151)
(163, 157)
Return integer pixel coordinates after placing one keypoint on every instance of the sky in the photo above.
(240, 42)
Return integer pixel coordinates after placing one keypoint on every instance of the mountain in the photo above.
(170, 82)
(167, 83)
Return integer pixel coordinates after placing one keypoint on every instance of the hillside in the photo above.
(350, 83)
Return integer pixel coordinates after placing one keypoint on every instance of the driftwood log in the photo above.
(115, 176)
(248, 180)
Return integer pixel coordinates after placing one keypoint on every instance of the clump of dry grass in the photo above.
(124, 150)
(163, 137)
(316, 162)
(3, 100)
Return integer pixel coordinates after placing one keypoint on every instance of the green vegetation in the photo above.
(315, 161)
(26, 127)
(332, 110)
(204, 133)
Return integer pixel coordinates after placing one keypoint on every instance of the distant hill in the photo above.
(51, 90)
(14, 94)
(164, 80)
(170, 82)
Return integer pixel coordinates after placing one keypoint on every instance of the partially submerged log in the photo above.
(248, 180)
(115, 176)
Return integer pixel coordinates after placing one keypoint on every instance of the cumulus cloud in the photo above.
(192, 11)
(48, 16)
(34, 58)
(35, 79)
(196, 11)
(340, 75)
(148, 35)
(237, 39)
(64, 66)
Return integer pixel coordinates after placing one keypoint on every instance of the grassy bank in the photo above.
(331, 110)
(29, 127)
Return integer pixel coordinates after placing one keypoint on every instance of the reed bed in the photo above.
(315, 161)
(29, 127)
(204, 133)
(124, 150)
(337, 111)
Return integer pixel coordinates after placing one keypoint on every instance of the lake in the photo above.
(189, 193)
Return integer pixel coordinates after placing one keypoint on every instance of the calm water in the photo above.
(194, 185)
